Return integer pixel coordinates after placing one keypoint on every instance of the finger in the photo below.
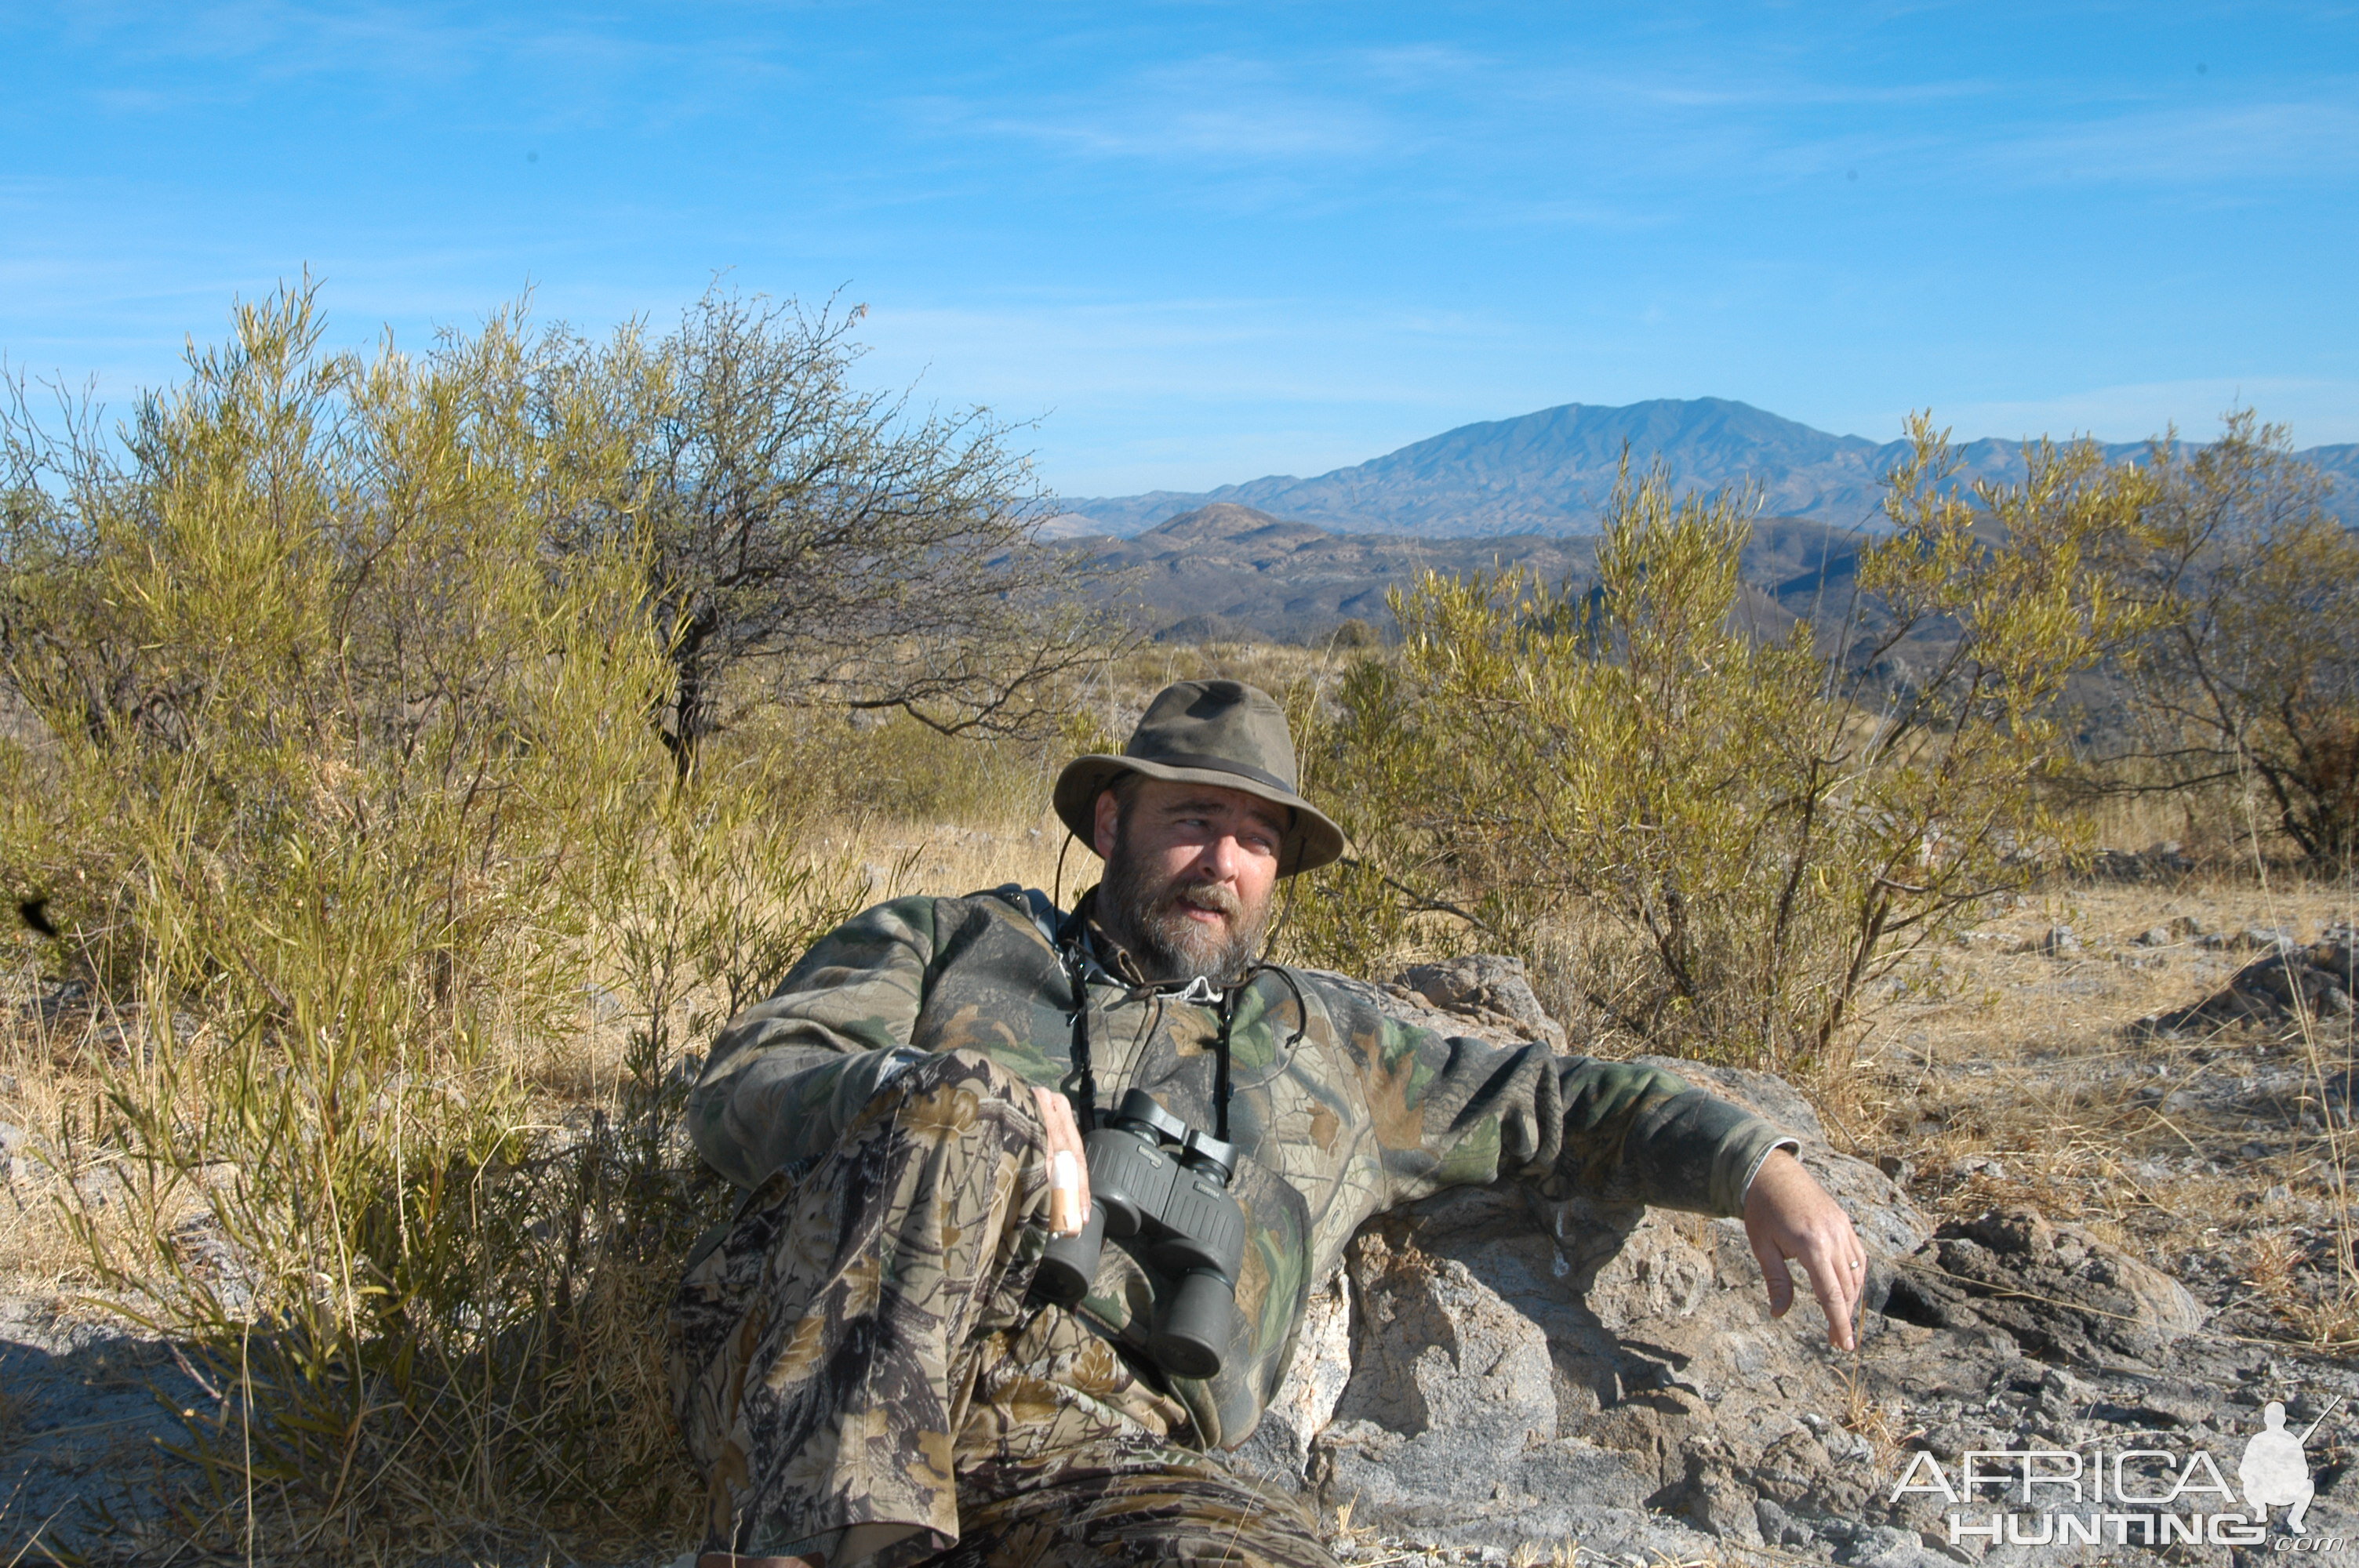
(1774, 1275)
(1069, 1170)
(1856, 1312)
(1834, 1282)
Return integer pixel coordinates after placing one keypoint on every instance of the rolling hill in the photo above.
(1225, 572)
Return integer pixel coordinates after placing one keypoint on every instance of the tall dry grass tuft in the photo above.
(2320, 1302)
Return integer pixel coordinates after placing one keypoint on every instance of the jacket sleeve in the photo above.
(787, 1074)
(1450, 1112)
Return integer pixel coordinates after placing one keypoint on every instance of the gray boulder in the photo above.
(2292, 986)
(1518, 1372)
(1489, 990)
(2058, 1290)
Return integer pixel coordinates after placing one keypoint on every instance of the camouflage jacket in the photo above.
(1338, 1111)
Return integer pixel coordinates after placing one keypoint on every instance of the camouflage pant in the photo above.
(858, 1350)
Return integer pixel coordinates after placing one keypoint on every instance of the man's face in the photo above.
(1189, 871)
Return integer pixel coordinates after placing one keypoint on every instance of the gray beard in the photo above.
(1169, 948)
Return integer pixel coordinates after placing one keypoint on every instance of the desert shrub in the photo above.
(2247, 675)
(1708, 840)
(343, 796)
(806, 539)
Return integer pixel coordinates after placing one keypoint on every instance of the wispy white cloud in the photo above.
(551, 69)
(1226, 108)
(2310, 137)
(1550, 137)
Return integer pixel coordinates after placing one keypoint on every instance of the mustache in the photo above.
(1208, 896)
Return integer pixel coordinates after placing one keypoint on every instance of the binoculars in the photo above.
(1155, 1178)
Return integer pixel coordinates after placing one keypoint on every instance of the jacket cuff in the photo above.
(1791, 1145)
(1700, 1152)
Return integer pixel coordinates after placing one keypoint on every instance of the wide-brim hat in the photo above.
(1219, 733)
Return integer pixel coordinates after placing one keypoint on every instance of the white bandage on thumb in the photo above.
(1064, 1193)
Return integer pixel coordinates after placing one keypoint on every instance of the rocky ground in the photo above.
(2091, 1147)
(1494, 1375)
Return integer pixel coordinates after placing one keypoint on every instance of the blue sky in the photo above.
(1204, 242)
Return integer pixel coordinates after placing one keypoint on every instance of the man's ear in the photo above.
(1106, 828)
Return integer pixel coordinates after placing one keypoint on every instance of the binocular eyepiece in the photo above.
(1154, 1177)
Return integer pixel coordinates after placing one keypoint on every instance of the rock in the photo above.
(1602, 1354)
(2252, 939)
(1487, 988)
(1776, 1527)
(58, 1000)
(1884, 1546)
(2292, 984)
(2055, 1289)
(2156, 862)
(1507, 1372)
(1448, 1430)
(89, 1435)
(1305, 1402)
(1603, 1360)
(2063, 1393)
(1714, 1498)
(2059, 942)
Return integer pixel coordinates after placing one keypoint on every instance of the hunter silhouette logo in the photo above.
(2275, 1471)
(2098, 1495)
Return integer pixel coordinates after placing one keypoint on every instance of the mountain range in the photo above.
(1549, 473)
(1225, 572)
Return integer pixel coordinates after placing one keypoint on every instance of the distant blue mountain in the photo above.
(1550, 472)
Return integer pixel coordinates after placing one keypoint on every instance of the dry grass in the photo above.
(2003, 1074)
(47, 1079)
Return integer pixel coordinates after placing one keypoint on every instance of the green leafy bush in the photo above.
(2247, 673)
(1705, 839)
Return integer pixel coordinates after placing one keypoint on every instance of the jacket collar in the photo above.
(1095, 945)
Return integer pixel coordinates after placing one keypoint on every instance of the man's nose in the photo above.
(1219, 859)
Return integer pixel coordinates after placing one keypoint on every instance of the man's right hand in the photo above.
(1064, 1137)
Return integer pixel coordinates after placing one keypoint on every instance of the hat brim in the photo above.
(1313, 840)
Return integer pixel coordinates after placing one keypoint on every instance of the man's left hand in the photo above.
(1789, 1216)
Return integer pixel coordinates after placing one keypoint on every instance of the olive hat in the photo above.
(1220, 732)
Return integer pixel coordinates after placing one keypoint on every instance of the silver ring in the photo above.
(1854, 1262)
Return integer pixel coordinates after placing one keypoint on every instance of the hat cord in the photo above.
(1084, 1076)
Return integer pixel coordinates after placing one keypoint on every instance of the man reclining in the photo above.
(874, 1364)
